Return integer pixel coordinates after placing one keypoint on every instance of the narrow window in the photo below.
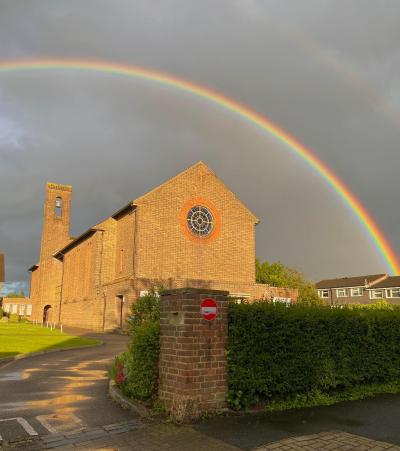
(121, 260)
(58, 207)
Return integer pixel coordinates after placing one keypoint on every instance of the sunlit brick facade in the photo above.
(92, 280)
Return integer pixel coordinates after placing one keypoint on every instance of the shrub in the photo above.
(277, 353)
(378, 305)
(117, 370)
(1, 313)
(141, 366)
(136, 371)
(145, 308)
(14, 318)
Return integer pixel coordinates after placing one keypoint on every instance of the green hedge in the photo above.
(278, 353)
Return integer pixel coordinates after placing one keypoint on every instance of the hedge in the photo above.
(279, 353)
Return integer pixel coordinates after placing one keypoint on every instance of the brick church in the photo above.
(189, 231)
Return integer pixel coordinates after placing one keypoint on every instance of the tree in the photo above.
(278, 275)
(15, 294)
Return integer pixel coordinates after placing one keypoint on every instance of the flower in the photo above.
(120, 376)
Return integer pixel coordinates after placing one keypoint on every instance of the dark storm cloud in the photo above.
(323, 70)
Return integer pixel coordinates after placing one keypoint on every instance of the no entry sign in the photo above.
(208, 309)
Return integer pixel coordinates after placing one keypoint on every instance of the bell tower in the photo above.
(56, 219)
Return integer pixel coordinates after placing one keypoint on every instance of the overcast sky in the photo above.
(327, 71)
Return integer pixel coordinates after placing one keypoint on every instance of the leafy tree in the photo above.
(278, 275)
(15, 294)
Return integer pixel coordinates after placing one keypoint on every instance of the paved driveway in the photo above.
(59, 392)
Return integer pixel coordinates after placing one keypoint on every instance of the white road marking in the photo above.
(42, 420)
(15, 376)
(26, 426)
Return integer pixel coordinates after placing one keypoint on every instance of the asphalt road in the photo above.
(59, 392)
(376, 418)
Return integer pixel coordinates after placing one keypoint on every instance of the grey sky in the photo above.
(326, 71)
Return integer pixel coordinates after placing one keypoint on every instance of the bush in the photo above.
(141, 366)
(1, 313)
(145, 308)
(378, 305)
(136, 371)
(278, 353)
(14, 318)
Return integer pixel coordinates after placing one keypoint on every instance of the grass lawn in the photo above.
(24, 338)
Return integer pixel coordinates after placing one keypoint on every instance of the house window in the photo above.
(14, 308)
(356, 291)
(376, 294)
(22, 309)
(393, 293)
(323, 293)
(29, 310)
(7, 308)
(341, 293)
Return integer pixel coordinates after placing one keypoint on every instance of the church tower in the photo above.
(56, 219)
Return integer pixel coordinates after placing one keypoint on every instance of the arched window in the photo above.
(58, 207)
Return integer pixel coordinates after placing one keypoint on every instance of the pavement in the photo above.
(60, 401)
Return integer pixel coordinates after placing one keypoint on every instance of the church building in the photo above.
(191, 231)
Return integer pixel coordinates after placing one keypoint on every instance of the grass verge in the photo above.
(25, 338)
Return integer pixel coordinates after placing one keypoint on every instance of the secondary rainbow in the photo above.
(377, 237)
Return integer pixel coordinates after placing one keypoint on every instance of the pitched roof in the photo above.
(389, 282)
(87, 234)
(358, 281)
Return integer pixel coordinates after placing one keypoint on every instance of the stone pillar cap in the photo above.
(191, 290)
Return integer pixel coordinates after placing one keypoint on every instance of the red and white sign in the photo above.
(208, 309)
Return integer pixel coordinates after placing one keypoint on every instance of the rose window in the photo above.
(200, 221)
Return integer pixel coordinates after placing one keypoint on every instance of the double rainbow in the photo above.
(377, 237)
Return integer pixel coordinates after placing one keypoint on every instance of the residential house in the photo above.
(350, 290)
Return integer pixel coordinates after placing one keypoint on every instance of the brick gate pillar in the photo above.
(193, 368)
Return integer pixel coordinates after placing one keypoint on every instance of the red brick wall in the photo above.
(46, 281)
(146, 247)
(192, 365)
(164, 249)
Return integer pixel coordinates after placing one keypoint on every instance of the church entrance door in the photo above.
(47, 314)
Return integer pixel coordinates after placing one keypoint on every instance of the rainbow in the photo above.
(366, 221)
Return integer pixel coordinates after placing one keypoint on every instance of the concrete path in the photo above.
(60, 392)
